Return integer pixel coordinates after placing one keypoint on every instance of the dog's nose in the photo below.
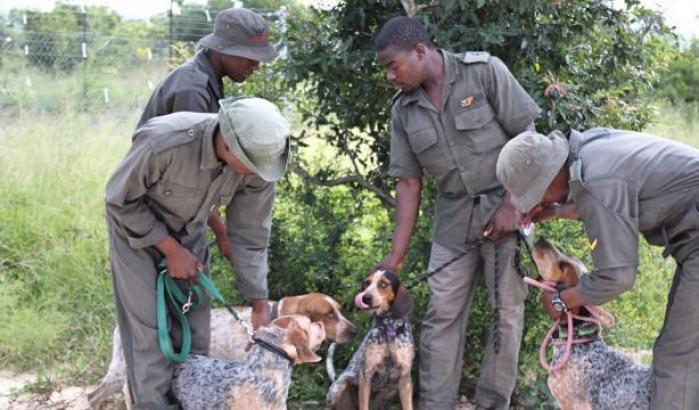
(366, 298)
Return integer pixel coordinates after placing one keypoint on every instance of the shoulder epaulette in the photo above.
(472, 57)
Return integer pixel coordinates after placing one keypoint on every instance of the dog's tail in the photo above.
(329, 365)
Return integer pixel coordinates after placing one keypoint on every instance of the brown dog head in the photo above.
(383, 293)
(321, 308)
(556, 267)
(301, 337)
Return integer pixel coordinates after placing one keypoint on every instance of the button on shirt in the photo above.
(191, 87)
(171, 180)
(458, 144)
(624, 183)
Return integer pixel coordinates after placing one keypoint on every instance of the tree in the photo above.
(584, 62)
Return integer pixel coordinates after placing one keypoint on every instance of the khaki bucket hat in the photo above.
(242, 33)
(257, 134)
(528, 164)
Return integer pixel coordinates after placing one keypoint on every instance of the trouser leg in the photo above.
(676, 351)
(444, 326)
(149, 374)
(506, 295)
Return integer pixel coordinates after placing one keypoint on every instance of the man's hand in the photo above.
(505, 220)
(391, 263)
(181, 264)
(260, 313)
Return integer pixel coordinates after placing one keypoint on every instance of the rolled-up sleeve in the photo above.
(126, 197)
(249, 225)
(403, 162)
(514, 108)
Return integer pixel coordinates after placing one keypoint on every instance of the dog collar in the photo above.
(272, 348)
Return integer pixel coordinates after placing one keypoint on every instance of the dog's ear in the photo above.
(402, 303)
(569, 275)
(301, 346)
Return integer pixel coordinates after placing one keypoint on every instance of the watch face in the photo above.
(558, 306)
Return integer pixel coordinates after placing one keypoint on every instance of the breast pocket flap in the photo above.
(422, 139)
(474, 118)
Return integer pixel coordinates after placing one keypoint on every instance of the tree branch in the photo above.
(383, 196)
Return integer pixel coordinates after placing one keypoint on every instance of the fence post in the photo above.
(83, 50)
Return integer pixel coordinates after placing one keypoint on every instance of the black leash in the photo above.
(272, 348)
(423, 277)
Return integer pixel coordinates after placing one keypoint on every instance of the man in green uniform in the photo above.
(179, 168)
(451, 117)
(620, 184)
(239, 43)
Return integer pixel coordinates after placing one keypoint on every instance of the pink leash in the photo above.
(599, 316)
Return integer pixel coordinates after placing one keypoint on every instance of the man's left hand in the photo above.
(260, 313)
(505, 220)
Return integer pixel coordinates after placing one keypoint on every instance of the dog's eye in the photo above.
(383, 285)
(330, 315)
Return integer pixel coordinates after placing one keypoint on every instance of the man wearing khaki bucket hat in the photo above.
(239, 43)
(179, 167)
(621, 184)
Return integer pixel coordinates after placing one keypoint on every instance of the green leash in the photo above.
(167, 292)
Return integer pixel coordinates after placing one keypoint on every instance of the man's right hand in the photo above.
(181, 264)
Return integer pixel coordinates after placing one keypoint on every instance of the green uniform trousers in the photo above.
(149, 374)
(676, 350)
(443, 330)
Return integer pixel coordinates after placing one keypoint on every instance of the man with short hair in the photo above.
(620, 184)
(451, 117)
(179, 168)
(239, 43)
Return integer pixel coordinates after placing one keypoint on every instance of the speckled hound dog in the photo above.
(229, 336)
(596, 376)
(381, 366)
(261, 381)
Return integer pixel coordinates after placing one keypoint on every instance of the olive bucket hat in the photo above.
(257, 134)
(240, 32)
(528, 164)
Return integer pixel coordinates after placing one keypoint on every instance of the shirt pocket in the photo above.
(478, 126)
(179, 200)
(425, 145)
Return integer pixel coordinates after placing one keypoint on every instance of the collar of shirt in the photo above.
(209, 159)
(450, 75)
(204, 64)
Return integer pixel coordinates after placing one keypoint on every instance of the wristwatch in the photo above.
(558, 304)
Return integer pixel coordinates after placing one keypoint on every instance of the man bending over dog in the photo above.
(179, 168)
(451, 117)
(620, 184)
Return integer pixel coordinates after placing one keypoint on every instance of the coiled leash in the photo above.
(599, 315)
(168, 293)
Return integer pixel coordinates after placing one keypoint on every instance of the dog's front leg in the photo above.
(405, 391)
(364, 387)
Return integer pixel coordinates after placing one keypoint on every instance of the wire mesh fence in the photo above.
(90, 58)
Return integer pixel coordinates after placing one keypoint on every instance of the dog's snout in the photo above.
(366, 298)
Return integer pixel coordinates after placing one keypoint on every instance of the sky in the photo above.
(684, 14)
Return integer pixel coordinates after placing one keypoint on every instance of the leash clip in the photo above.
(188, 305)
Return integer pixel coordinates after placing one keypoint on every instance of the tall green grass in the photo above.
(55, 302)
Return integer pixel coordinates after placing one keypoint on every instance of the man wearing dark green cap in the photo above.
(620, 184)
(239, 43)
(451, 118)
(179, 168)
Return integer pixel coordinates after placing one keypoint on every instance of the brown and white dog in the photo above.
(381, 366)
(229, 337)
(595, 376)
(261, 380)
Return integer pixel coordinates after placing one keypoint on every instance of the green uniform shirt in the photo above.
(171, 180)
(624, 183)
(483, 107)
(191, 87)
